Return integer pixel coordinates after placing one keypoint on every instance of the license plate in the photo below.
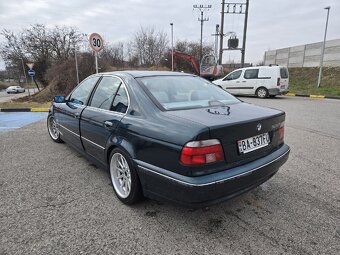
(253, 143)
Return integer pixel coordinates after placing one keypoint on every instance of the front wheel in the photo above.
(53, 130)
(124, 177)
(262, 92)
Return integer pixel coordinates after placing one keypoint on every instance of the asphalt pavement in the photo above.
(53, 201)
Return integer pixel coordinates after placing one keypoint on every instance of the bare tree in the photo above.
(149, 46)
(39, 44)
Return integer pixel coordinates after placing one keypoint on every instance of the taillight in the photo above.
(281, 131)
(278, 82)
(202, 152)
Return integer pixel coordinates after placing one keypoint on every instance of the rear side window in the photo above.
(251, 74)
(121, 100)
(105, 92)
(284, 73)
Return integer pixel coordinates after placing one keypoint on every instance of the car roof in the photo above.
(137, 73)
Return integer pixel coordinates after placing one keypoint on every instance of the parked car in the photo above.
(15, 89)
(262, 81)
(170, 136)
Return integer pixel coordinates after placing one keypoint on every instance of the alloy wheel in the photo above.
(120, 175)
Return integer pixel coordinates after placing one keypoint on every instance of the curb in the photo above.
(24, 109)
(312, 96)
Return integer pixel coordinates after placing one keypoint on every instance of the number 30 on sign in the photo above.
(96, 42)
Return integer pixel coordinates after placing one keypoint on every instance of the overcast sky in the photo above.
(271, 24)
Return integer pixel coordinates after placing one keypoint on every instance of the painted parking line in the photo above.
(14, 120)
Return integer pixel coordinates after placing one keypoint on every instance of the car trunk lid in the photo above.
(230, 124)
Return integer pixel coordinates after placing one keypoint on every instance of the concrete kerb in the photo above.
(312, 96)
(24, 109)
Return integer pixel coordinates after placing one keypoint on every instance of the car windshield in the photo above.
(185, 92)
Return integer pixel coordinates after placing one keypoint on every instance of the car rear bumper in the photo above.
(210, 189)
(278, 91)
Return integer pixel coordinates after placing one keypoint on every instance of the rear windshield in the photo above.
(185, 92)
(284, 73)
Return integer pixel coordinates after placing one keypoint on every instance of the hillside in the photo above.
(304, 81)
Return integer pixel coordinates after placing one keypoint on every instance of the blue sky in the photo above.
(272, 23)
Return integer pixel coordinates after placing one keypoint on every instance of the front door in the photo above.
(68, 114)
(231, 82)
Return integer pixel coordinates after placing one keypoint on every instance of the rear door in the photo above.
(99, 120)
(249, 81)
(232, 82)
(68, 114)
(284, 78)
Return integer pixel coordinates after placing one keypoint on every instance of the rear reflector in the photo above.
(202, 152)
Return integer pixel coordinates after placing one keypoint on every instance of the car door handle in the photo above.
(108, 124)
(244, 81)
(77, 115)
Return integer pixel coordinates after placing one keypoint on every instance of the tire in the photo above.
(262, 92)
(52, 129)
(124, 178)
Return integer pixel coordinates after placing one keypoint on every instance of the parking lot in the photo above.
(54, 201)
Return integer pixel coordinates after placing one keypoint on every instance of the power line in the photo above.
(234, 8)
(202, 8)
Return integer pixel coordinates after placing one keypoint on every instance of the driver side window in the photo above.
(233, 76)
(83, 91)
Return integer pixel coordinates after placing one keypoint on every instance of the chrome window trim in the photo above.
(68, 130)
(127, 92)
(214, 182)
(88, 140)
(104, 110)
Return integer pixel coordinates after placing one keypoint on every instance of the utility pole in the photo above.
(172, 46)
(323, 46)
(216, 40)
(244, 34)
(76, 61)
(234, 8)
(221, 34)
(202, 8)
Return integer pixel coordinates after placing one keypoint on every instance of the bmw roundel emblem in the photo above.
(258, 127)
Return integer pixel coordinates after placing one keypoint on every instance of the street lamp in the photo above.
(323, 46)
(172, 46)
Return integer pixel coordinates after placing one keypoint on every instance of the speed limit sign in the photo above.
(96, 42)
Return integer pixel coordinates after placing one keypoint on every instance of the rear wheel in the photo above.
(53, 130)
(262, 92)
(124, 177)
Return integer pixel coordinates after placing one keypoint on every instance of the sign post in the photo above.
(96, 44)
(31, 73)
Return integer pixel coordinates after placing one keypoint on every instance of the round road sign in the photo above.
(31, 72)
(96, 42)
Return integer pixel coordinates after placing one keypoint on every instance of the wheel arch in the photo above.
(261, 87)
(121, 143)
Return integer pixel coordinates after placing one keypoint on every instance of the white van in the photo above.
(262, 81)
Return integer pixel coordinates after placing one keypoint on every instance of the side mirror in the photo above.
(59, 99)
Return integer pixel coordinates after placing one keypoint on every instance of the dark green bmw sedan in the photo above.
(170, 136)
